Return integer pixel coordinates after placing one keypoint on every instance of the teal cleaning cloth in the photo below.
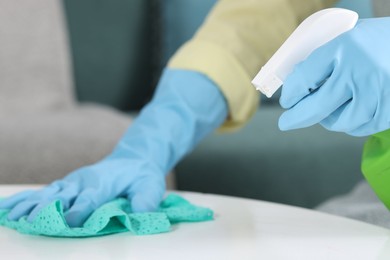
(112, 217)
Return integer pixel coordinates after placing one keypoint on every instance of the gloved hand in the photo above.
(186, 107)
(355, 97)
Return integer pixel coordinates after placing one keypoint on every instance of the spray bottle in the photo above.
(316, 30)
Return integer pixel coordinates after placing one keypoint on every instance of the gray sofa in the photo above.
(44, 132)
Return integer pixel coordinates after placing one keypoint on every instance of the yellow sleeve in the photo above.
(236, 39)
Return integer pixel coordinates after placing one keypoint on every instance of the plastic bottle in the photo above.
(314, 31)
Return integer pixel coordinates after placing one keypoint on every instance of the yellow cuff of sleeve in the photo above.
(225, 71)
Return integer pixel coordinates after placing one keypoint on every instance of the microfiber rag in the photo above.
(112, 217)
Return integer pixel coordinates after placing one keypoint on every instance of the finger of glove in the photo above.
(315, 107)
(352, 115)
(85, 203)
(307, 76)
(24, 207)
(147, 194)
(15, 199)
(377, 124)
(66, 196)
(365, 130)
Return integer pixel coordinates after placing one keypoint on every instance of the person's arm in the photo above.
(185, 108)
(210, 73)
(236, 39)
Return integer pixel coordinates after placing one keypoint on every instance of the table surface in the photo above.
(242, 229)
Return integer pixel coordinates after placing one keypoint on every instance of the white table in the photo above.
(242, 229)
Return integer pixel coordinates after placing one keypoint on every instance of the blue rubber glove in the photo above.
(355, 97)
(186, 107)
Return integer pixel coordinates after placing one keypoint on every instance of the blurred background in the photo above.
(106, 61)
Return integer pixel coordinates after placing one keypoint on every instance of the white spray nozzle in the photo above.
(314, 31)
